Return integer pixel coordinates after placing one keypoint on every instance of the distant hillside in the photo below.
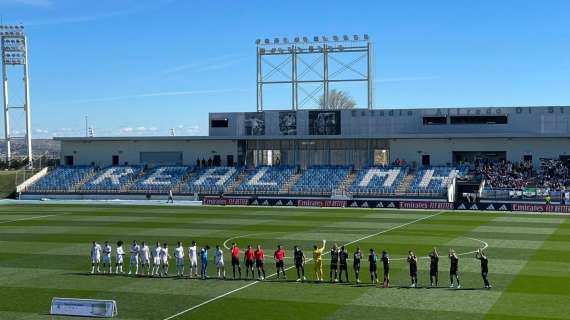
(39, 147)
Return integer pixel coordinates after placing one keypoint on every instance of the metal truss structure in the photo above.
(15, 55)
(307, 61)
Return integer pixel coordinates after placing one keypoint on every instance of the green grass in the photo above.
(44, 257)
(10, 179)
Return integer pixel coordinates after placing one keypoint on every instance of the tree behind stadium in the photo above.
(337, 100)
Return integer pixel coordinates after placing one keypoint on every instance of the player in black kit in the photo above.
(454, 268)
(356, 263)
(343, 257)
(299, 263)
(373, 259)
(481, 256)
(386, 265)
(433, 267)
(413, 261)
(334, 263)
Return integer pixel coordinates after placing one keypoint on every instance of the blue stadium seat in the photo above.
(321, 179)
(266, 180)
(435, 179)
(112, 179)
(161, 179)
(211, 180)
(378, 180)
(61, 179)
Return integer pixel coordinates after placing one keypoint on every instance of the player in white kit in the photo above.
(156, 259)
(95, 257)
(219, 261)
(135, 251)
(145, 258)
(179, 255)
(120, 257)
(164, 256)
(107, 250)
(193, 256)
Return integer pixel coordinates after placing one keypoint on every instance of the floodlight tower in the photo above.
(15, 54)
(294, 67)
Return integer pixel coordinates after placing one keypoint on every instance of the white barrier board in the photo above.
(83, 307)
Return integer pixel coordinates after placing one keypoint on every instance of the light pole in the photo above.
(14, 54)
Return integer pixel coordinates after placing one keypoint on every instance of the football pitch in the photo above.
(44, 253)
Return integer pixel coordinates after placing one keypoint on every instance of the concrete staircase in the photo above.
(128, 185)
(83, 181)
(178, 187)
(238, 180)
(405, 184)
(289, 185)
(348, 181)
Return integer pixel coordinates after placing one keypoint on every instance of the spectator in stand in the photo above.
(554, 174)
(505, 174)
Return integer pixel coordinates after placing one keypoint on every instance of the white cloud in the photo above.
(193, 130)
(131, 131)
(153, 94)
(125, 130)
(35, 3)
(132, 9)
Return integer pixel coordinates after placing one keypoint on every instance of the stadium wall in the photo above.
(99, 151)
(441, 150)
(88, 151)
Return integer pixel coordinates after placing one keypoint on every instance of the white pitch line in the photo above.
(35, 218)
(291, 267)
(485, 246)
(225, 244)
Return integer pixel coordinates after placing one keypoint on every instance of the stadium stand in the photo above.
(435, 180)
(62, 179)
(321, 179)
(266, 180)
(505, 174)
(113, 179)
(506, 180)
(554, 174)
(211, 180)
(378, 180)
(161, 179)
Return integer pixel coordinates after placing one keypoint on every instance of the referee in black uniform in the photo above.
(334, 263)
(356, 263)
(433, 267)
(481, 256)
(343, 257)
(413, 261)
(386, 264)
(453, 268)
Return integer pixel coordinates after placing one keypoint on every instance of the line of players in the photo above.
(155, 262)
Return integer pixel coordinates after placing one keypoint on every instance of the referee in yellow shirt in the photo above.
(317, 258)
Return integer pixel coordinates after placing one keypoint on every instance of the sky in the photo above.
(142, 67)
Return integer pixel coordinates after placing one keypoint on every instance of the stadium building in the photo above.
(370, 155)
(358, 138)
(331, 156)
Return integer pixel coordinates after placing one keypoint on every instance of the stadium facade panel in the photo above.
(357, 137)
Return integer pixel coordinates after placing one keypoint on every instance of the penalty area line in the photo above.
(291, 267)
(36, 217)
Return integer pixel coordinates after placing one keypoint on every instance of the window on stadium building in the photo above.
(219, 123)
(434, 121)
(479, 120)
